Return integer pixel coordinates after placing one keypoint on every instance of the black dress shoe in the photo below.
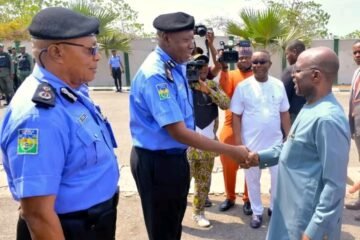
(256, 221)
(247, 209)
(208, 203)
(226, 205)
(269, 212)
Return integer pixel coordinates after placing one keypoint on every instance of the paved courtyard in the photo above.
(232, 225)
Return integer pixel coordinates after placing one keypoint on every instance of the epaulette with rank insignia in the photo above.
(169, 65)
(44, 96)
(68, 94)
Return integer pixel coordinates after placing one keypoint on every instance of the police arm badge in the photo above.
(163, 91)
(28, 141)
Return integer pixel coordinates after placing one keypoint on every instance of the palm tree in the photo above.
(108, 38)
(265, 29)
(260, 27)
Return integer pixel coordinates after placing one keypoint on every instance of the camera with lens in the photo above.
(193, 70)
(200, 30)
(229, 55)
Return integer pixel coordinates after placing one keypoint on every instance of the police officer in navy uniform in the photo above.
(162, 126)
(6, 74)
(57, 146)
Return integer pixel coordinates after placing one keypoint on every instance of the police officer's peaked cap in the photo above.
(174, 22)
(57, 23)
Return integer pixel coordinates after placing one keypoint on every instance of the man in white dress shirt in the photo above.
(260, 108)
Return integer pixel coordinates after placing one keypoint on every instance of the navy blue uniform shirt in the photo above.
(159, 97)
(66, 150)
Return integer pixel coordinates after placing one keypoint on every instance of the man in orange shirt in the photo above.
(228, 82)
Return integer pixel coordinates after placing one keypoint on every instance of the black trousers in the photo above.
(95, 223)
(163, 181)
(116, 74)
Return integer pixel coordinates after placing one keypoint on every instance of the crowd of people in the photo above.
(295, 127)
(15, 66)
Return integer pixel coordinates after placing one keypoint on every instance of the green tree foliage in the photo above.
(354, 35)
(109, 37)
(306, 15)
(126, 20)
(16, 16)
(14, 9)
(264, 29)
(118, 21)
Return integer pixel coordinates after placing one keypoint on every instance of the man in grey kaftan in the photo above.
(313, 161)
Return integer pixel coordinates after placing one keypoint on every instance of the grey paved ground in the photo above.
(231, 225)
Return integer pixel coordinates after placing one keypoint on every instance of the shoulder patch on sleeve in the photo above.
(28, 141)
(44, 96)
(163, 91)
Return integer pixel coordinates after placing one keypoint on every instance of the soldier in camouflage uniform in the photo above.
(207, 98)
(6, 74)
(24, 65)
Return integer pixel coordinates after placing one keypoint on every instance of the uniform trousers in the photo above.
(163, 179)
(96, 223)
(253, 176)
(6, 84)
(201, 170)
(116, 74)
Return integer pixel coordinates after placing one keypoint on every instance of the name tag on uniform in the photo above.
(28, 141)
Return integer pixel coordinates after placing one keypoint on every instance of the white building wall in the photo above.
(140, 48)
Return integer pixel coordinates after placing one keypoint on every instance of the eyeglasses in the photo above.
(93, 50)
(261, 62)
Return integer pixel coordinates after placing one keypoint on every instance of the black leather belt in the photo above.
(98, 208)
(170, 151)
(174, 151)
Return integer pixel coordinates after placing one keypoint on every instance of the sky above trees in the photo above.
(344, 14)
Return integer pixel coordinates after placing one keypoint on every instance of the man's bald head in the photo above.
(324, 59)
(314, 72)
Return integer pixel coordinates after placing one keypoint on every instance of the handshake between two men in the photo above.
(245, 158)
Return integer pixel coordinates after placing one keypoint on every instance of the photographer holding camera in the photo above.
(209, 35)
(207, 97)
(228, 82)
